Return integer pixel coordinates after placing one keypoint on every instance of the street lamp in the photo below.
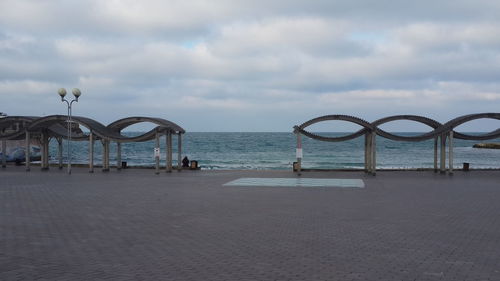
(62, 93)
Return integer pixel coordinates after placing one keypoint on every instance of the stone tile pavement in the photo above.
(134, 225)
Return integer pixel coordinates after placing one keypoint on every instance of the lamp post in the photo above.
(62, 93)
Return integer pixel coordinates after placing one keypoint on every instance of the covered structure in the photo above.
(56, 126)
(440, 133)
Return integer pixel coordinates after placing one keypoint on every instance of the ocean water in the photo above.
(277, 151)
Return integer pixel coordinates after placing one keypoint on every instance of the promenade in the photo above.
(135, 225)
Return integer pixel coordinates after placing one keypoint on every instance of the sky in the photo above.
(226, 65)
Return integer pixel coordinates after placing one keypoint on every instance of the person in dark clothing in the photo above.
(185, 162)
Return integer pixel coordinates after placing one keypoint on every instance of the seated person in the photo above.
(185, 162)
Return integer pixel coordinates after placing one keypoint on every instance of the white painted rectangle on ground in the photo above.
(297, 182)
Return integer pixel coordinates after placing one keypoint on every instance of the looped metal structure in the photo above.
(42, 129)
(371, 130)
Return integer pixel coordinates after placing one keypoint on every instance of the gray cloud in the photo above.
(243, 64)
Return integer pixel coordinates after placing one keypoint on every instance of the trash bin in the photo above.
(124, 164)
(466, 166)
(194, 165)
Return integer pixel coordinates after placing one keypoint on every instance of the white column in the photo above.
(436, 154)
(299, 153)
(4, 153)
(450, 154)
(157, 153)
(374, 153)
(118, 156)
(168, 149)
(60, 152)
(27, 151)
(91, 152)
(179, 151)
(442, 161)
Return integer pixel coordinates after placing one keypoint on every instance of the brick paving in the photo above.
(134, 225)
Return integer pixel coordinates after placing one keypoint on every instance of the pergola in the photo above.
(56, 126)
(440, 133)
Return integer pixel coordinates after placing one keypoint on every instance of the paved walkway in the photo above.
(134, 225)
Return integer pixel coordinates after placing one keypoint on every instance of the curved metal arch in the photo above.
(470, 117)
(121, 124)
(435, 125)
(367, 127)
(9, 121)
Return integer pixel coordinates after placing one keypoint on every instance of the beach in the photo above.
(189, 225)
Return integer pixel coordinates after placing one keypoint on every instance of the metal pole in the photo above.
(298, 153)
(374, 153)
(69, 137)
(105, 157)
(367, 143)
(435, 154)
(450, 156)
(27, 151)
(91, 152)
(4, 153)
(118, 156)
(169, 151)
(179, 151)
(44, 152)
(60, 152)
(157, 153)
(443, 154)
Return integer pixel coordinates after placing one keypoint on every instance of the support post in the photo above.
(157, 153)
(44, 139)
(442, 161)
(105, 157)
(374, 153)
(169, 151)
(436, 154)
(299, 153)
(91, 152)
(60, 152)
(27, 151)
(450, 153)
(367, 152)
(179, 151)
(4, 153)
(118, 156)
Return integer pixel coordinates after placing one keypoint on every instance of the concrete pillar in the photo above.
(179, 151)
(105, 157)
(27, 151)
(442, 161)
(367, 153)
(118, 156)
(299, 153)
(60, 152)
(374, 153)
(435, 154)
(4, 153)
(157, 153)
(91, 152)
(44, 139)
(450, 154)
(168, 148)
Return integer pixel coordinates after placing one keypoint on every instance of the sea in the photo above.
(276, 151)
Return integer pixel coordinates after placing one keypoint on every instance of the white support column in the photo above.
(436, 154)
(179, 151)
(4, 153)
(367, 152)
(91, 152)
(27, 151)
(450, 154)
(442, 161)
(374, 153)
(60, 152)
(118, 156)
(105, 157)
(157, 153)
(299, 153)
(168, 149)
(44, 153)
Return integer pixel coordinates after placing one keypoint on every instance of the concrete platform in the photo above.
(134, 225)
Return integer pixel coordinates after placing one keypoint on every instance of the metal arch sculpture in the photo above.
(370, 130)
(55, 126)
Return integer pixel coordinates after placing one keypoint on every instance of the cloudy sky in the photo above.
(226, 65)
